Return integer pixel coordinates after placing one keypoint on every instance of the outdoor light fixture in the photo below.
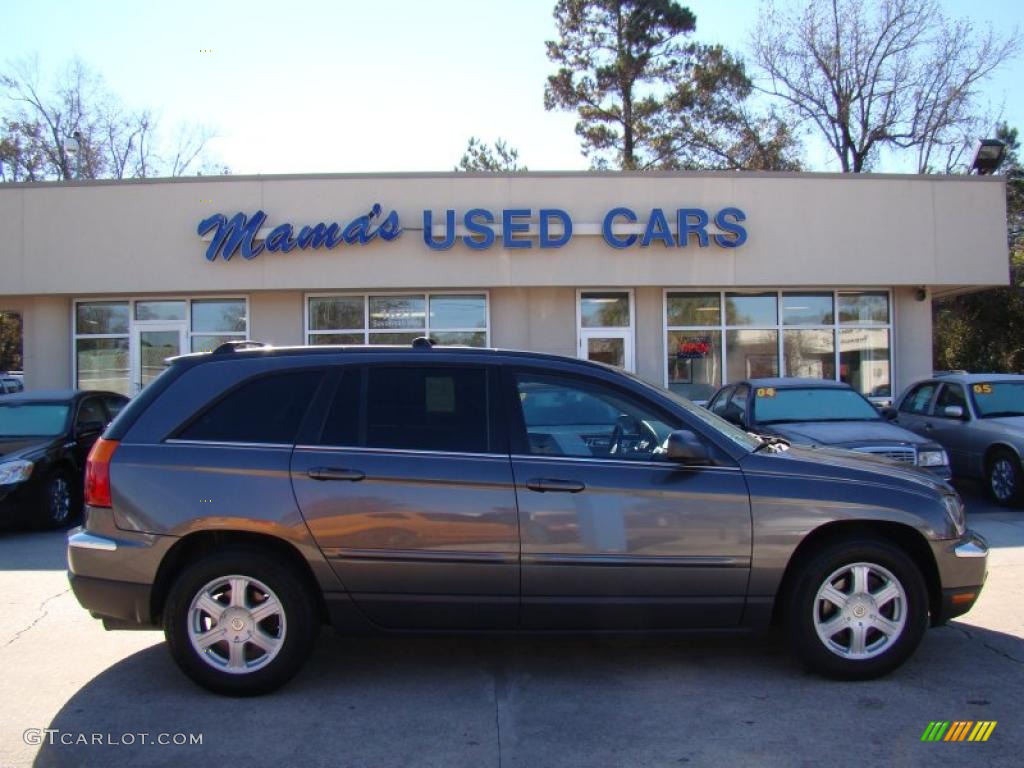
(988, 156)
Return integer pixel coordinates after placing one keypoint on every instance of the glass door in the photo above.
(607, 346)
(152, 344)
(605, 327)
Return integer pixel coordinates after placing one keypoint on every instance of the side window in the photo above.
(951, 394)
(265, 410)
(565, 416)
(721, 401)
(918, 399)
(114, 406)
(342, 425)
(90, 410)
(427, 409)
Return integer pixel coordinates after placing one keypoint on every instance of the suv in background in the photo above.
(250, 494)
(979, 419)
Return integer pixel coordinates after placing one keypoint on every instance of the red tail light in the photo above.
(97, 473)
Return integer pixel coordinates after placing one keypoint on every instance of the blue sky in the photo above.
(342, 86)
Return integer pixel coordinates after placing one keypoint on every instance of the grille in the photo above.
(902, 455)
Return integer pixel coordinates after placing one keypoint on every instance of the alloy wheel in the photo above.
(236, 624)
(1002, 479)
(59, 500)
(860, 611)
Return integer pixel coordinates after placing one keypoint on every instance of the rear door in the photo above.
(613, 535)
(915, 409)
(408, 491)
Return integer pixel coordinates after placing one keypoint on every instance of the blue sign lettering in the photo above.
(722, 221)
(546, 214)
(239, 232)
(657, 229)
(606, 228)
(477, 228)
(445, 242)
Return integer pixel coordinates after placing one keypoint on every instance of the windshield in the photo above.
(32, 419)
(773, 405)
(998, 398)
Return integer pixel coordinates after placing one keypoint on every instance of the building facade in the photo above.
(689, 280)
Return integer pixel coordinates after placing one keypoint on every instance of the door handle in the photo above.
(543, 484)
(335, 473)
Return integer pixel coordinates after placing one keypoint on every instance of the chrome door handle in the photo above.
(335, 473)
(543, 484)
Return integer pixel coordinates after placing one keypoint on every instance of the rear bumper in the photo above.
(113, 601)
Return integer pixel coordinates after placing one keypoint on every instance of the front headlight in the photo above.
(12, 472)
(932, 457)
(955, 511)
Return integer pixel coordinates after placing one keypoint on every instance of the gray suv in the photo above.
(249, 495)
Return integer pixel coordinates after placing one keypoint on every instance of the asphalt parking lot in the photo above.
(691, 701)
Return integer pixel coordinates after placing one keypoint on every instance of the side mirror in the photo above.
(89, 428)
(684, 446)
(889, 413)
(953, 411)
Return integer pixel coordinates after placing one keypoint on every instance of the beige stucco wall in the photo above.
(804, 230)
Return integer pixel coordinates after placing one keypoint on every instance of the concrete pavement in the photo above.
(694, 701)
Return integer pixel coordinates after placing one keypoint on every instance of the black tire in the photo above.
(1004, 478)
(59, 503)
(805, 611)
(297, 630)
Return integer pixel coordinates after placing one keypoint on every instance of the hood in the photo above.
(845, 434)
(16, 447)
(834, 462)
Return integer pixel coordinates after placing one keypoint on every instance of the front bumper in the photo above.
(963, 567)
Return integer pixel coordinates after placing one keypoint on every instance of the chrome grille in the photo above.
(902, 455)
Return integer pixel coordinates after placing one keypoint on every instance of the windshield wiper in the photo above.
(768, 441)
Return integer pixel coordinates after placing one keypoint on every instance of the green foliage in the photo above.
(10, 342)
(483, 157)
(646, 99)
(984, 331)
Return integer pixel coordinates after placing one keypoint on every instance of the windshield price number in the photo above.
(766, 391)
(983, 389)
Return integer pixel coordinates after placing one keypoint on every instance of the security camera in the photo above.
(920, 294)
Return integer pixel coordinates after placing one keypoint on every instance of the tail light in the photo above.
(97, 473)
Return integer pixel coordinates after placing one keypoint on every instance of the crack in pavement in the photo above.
(997, 651)
(45, 612)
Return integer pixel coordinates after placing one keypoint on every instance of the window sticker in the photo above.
(440, 392)
(766, 392)
(982, 389)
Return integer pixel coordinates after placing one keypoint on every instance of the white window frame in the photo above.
(131, 301)
(308, 334)
(722, 327)
(629, 332)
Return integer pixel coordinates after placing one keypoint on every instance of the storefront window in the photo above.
(102, 317)
(448, 318)
(810, 353)
(763, 333)
(751, 354)
(159, 310)
(218, 316)
(102, 364)
(694, 363)
(864, 360)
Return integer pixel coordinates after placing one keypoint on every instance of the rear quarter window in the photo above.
(268, 409)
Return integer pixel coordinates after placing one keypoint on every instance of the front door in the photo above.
(151, 345)
(608, 346)
(613, 535)
(408, 492)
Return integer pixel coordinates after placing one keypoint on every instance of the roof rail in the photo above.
(422, 342)
(233, 346)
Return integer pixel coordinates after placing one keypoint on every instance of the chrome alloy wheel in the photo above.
(60, 500)
(236, 624)
(1002, 479)
(860, 611)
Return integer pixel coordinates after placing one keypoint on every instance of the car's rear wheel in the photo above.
(858, 609)
(240, 622)
(1005, 479)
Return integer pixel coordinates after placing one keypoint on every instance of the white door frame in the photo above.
(135, 346)
(622, 332)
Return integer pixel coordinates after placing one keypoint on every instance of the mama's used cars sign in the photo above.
(477, 229)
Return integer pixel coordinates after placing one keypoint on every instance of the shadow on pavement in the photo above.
(387, 701)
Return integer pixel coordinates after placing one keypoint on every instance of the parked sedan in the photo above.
(820, 412)
(979, 419)
(44, 440)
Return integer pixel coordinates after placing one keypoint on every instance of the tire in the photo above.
(59, 502)
(888, 630)
(246, 653)
(1004, 478)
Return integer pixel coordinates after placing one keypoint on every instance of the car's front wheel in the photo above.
(858, 609)
(240, 622)
(59, 501)
(1005, 478)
